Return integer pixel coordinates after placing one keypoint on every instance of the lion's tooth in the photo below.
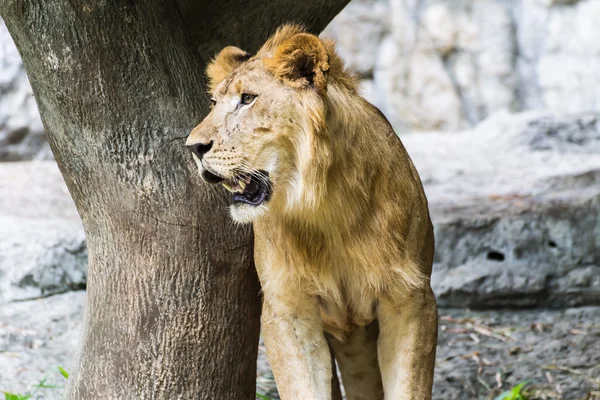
(242, 184)
(227, 186)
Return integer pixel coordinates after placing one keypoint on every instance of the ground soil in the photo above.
(481, 354)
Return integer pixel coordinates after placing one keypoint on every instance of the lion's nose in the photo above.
(200, 149)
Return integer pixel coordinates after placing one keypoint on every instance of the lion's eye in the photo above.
(247, 98)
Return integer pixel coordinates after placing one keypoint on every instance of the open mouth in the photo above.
(252, 189)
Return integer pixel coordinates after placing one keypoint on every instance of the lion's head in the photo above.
(261, 140)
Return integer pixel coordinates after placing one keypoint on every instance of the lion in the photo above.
(343, 239)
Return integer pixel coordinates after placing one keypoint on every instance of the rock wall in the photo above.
(43, 249)
(21, 131)
(448, 64)
(515, 205)
(428, 64)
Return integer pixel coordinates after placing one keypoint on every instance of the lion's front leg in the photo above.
(297, 349)
(406, 346)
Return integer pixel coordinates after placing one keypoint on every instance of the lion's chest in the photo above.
(343, 274)
(345, 306)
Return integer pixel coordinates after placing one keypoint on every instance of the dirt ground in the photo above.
(481, 354)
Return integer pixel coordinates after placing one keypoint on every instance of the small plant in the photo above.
(516, 393)
(63, 372)
(40, 385)
(12, 396)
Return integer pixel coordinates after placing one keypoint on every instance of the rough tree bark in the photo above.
(173, 302)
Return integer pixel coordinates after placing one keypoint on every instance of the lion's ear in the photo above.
(301, 62)
(225, 62)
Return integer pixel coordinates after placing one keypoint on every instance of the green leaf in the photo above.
(513, 394)
(262, 397)
(63, 372)
(43, 385)
(516, 391)
(503, 396)
(12, 396)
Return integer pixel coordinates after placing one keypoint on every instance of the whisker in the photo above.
(243, 168)
(247, 167)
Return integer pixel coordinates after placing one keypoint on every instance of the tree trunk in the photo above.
(173, 301)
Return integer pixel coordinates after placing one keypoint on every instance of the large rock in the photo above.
(515, 204)
(448, 64)
(42, 243)
(516, 209)
(21, 131)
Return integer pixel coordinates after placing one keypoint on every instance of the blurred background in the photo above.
(498, 103)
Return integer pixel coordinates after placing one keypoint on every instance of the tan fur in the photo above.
(228, 59)
(301, 56)
(345, 241)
